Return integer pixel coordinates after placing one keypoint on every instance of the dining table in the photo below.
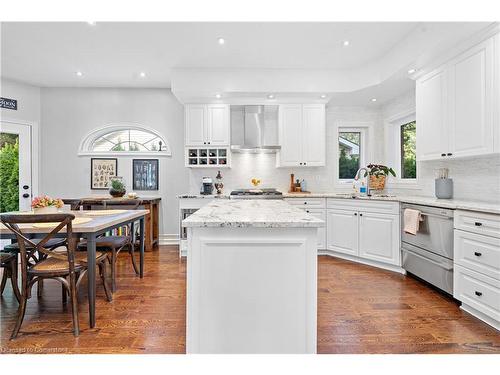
(89, 225)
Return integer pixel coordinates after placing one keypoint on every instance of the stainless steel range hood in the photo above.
(254, 128)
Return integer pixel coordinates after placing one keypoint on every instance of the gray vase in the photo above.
(444, 188)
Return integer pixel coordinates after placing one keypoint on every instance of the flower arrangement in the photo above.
(46, 201)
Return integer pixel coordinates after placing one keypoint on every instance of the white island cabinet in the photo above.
(251, 278)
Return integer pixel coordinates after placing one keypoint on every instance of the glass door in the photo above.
(15, 167)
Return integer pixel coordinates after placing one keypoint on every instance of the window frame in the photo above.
(394, 150)
(87, 142)
(364, 150)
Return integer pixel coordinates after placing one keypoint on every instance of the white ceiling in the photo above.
(112, 54)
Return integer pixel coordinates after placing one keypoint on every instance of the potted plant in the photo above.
(46, 205)
(378, 174)
(117, 188)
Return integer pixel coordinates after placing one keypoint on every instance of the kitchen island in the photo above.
(251, 278)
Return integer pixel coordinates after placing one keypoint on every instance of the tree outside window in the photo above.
(349, 154)
(408, 150)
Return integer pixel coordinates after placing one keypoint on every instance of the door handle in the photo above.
(26, 195)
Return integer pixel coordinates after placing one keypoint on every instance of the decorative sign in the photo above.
(101, 171)
(8, 103)
(145, 174)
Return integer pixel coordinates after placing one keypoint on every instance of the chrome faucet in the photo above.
(358, 175)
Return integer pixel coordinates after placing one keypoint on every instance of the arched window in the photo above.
(124, 140)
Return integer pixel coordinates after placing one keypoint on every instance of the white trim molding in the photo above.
(393, 147)
(85, 148)
(169, 239)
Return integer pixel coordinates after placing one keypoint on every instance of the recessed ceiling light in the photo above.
(218, 96)
(323, 96)
(374, 99)
(91, 23)
(345, 43)
(79, 74)
(221, 41)
(270, 96)
(142, 74)
(412, 70)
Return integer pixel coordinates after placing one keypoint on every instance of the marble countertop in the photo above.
(263, 213)
(202, 196)
(469, 205)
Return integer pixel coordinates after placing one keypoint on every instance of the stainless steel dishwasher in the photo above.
(429, 254)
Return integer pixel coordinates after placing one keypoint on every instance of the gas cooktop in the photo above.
(256, 194)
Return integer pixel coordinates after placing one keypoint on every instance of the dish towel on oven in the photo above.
(412, 219)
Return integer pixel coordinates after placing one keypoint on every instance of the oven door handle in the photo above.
(444, 266)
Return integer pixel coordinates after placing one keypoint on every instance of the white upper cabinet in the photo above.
(207, 124)
(457, 106)
(302, 135)
(313, 132)
(432, 134)
(195, 119)
(218, 124)
(471, 101)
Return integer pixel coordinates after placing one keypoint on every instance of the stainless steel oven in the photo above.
(429, 254)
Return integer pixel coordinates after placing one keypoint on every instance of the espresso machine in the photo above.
(207, 186)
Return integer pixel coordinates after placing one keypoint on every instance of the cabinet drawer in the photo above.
(477, 222)
(382, 207)
(307, 202)
(478, 291)
(477, 252)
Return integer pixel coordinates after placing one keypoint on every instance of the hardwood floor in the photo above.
(360, 310)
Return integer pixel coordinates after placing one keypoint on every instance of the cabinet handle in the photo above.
(478, 224)
(360, 214)
(307, 211)
(204, 143)
(208, 142)
(478, 254)
(479, 294)
(305, 202)
(305, 163)
(443, 154)
(449, 154)
(300, 163)
(355, 214)
(26, 195)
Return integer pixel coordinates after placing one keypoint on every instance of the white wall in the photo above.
(246, 166)
(68, 114)
(28, 112)
(473, 178)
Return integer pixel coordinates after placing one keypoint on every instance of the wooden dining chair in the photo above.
(114, 244)
(39, 262)
(8, 261)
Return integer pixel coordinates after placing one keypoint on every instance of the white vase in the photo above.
(45, 210)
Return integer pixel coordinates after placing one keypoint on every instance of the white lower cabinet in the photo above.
(379, 237)
(368, 231)
(342, 231)
(320, 214)
(476, 280)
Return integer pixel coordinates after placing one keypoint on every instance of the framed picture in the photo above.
(101, 171)
(145, 174)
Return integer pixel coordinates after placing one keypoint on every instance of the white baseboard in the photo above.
(388, 267)
(169, 239)
(478, 314)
